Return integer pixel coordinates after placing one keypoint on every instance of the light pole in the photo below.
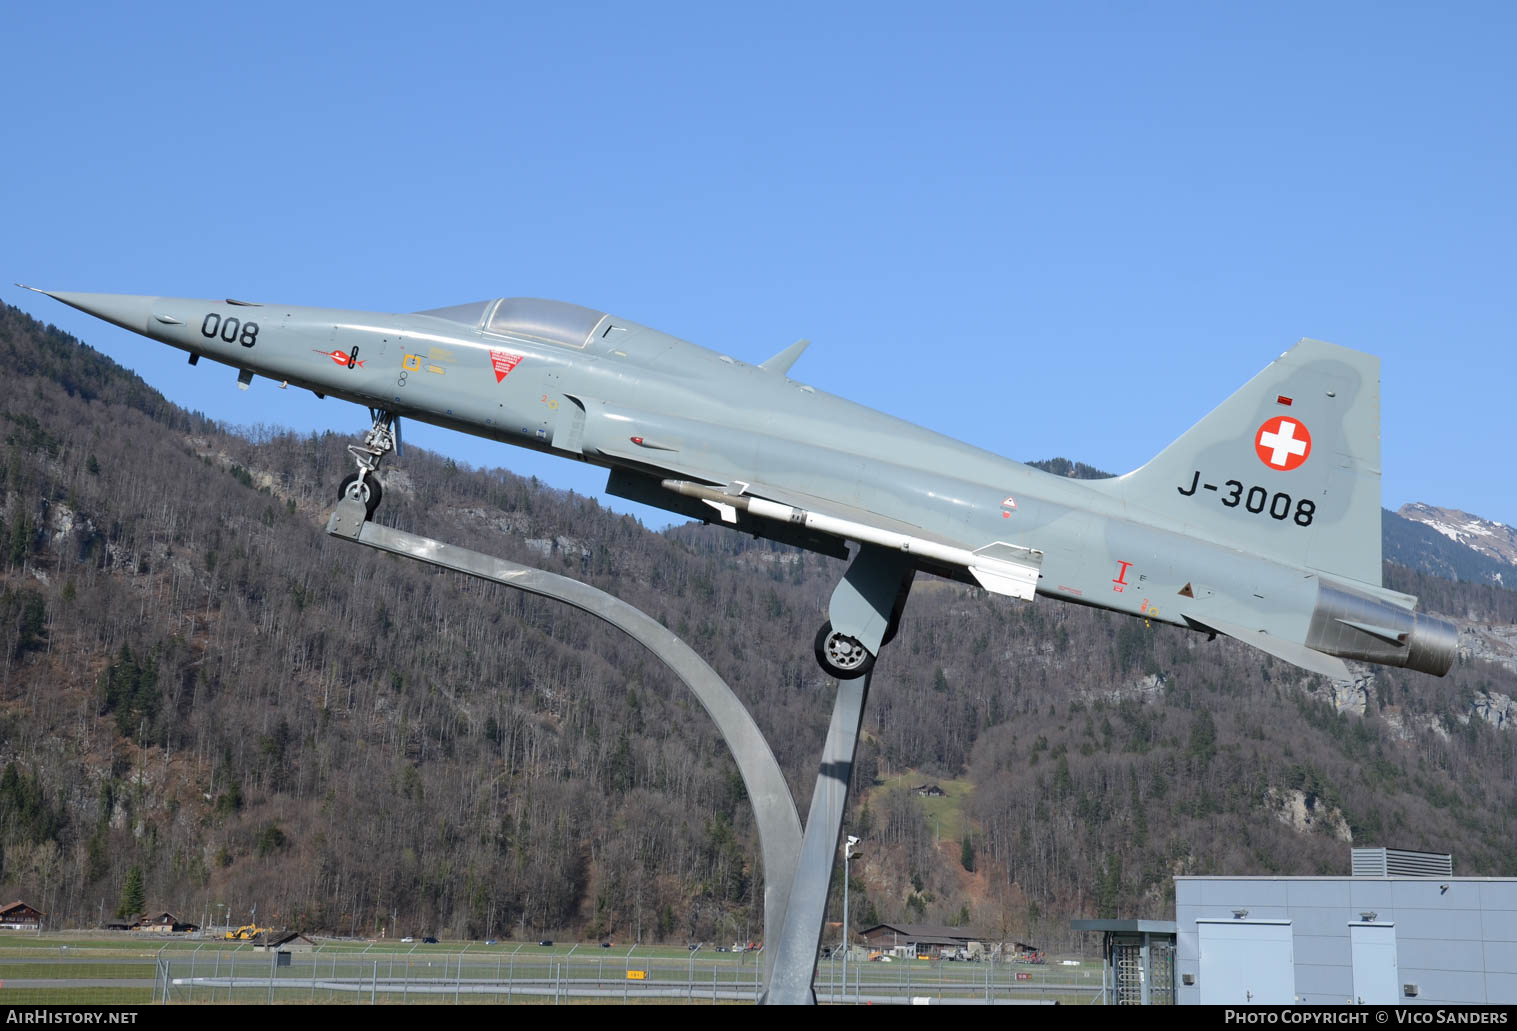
(848, 853)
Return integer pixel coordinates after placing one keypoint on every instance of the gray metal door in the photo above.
(1376, 975)
(1246, 962)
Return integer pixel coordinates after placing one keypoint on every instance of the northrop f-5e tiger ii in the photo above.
(1261, 522)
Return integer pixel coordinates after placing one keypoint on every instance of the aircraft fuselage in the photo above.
(653, 409)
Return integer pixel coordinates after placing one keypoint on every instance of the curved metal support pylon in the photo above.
(774, 809)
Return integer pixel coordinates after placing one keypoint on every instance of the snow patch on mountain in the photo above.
(1494, 540)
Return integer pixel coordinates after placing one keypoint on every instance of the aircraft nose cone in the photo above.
(128, 311)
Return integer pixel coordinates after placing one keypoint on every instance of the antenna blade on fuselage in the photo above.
(781, 362)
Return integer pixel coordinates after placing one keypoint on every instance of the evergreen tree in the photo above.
(133, 896)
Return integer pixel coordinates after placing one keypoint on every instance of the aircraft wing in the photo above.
(999, 567)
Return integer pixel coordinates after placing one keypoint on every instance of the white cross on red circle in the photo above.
(1283, 443)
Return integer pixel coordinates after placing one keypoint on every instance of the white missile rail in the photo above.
(1000, 568)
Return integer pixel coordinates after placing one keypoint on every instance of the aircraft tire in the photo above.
(840, 656)
(371, 493)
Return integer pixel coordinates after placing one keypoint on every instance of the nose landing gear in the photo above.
(363, 485)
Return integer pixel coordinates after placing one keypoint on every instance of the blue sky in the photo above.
(1054, 229)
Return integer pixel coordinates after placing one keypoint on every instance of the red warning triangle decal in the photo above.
(503, 362)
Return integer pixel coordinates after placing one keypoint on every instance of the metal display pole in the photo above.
(795, 967)
(848, 855)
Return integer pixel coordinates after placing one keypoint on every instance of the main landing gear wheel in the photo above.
(841, 656)
(368, 491)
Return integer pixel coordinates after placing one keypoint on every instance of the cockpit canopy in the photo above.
(553, 322)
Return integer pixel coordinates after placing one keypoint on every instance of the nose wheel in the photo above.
(382, 438)
(367, 490)
(840, 656)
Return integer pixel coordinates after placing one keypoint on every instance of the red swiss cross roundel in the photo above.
(1283, 443)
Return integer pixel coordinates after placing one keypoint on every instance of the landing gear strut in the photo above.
(363, 485)
(865, 611)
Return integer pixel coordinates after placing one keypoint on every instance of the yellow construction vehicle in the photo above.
(247, 932)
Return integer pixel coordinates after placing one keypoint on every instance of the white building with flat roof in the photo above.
(1369, 939)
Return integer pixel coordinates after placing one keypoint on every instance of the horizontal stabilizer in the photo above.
(1296, 654)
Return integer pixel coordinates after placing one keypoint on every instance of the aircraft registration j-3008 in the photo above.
(1261, 522)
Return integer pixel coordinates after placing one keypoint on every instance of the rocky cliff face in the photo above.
(1489, 642)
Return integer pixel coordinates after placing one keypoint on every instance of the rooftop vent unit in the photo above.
(1395, 862)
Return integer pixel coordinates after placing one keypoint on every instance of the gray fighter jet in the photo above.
(1262, 522)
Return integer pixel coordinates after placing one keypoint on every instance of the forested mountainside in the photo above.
(1418, 545)
(202, 693)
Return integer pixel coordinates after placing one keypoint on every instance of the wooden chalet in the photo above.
(18, 916)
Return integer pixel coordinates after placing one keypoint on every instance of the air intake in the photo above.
(1395, 862)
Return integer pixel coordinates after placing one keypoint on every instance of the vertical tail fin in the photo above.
(1288, 467)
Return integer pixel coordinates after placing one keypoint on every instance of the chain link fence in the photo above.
(213, 972)
(437, 975)
(530, 974)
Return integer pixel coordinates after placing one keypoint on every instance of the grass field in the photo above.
(78, 968)
(945, 814)
(76, 996)
(102, 969)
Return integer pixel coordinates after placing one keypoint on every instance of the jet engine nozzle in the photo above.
(1433, 644)
(1352, 624)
